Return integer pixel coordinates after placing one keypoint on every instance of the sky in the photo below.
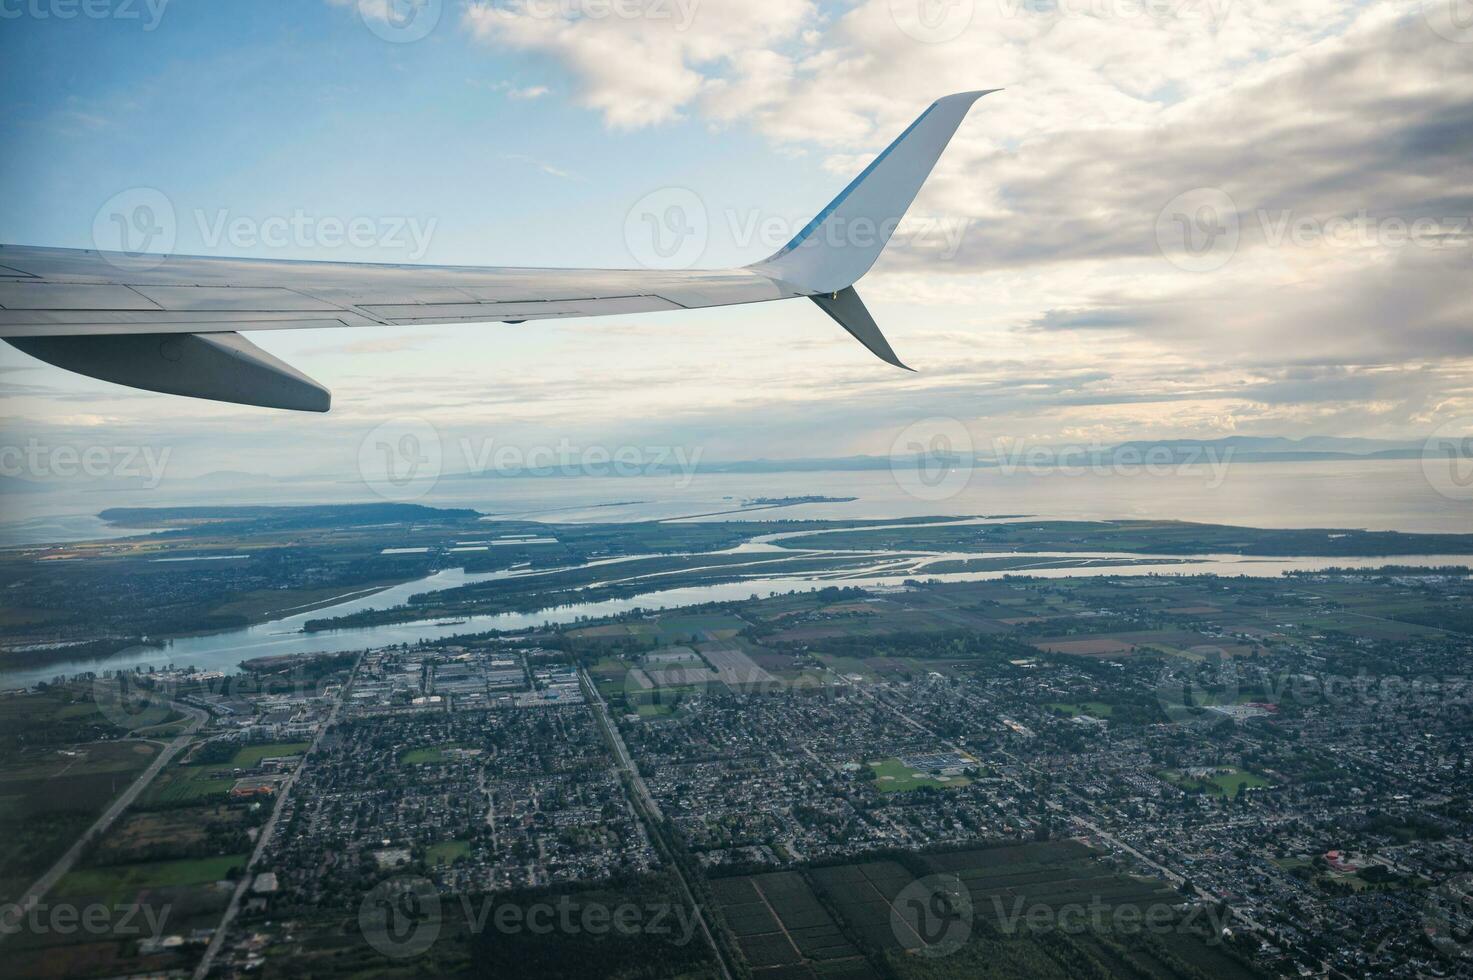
(1180, 219)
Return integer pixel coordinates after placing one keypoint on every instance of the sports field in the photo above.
(892, 776)
(1227, 781)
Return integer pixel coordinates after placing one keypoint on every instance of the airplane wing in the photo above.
(171, 323)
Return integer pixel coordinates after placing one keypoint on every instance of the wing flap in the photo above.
(523, 310)
(260, 299)
(92, 323)
(71, 296)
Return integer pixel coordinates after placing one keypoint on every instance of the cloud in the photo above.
(644, 63)
(1063, 313)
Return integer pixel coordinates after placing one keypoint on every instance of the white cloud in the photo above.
(642, 62)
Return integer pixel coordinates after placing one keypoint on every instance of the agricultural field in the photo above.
(59, 715)
(185, 785)
(697, 627)
(174, 854)
(783, 931)
(150, 834)
(1012, 905)
(1053, 910)
(116, 884)
(50, 795)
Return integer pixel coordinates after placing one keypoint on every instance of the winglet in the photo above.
(842, 242)
(849, 311)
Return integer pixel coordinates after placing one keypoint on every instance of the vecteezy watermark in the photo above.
(1100, 917)
(1012, 456)
(666, 680)
(1214, 11)
(933, 21)
(933, 915)
(303, 230)
(399, 21)
(679, 14)
(933, 459)
(485, 457)
(148, 13)
(403, 916)
(132, 700)
(671, 228)
(1203, 693)
(403, 459)
(39, 461)
(1199, 230)
(941, 237)
(570, 916)
(1217, 690)
(122, 920)
(668, 228)
(1452, 19)
(1447, 459)
(1202, 230)
(1284, 228)
(135, 229)
(134, 697)
(400, 917)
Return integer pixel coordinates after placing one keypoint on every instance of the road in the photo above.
(57, 871)
(626, 762)
(644, 804)
(267, 829)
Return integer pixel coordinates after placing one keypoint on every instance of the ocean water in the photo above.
(1375, 495)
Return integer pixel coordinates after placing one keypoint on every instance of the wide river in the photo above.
(224, 651)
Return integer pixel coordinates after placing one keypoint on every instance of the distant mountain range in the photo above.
(1231, 449)
(1247, 449)
(1238, 449)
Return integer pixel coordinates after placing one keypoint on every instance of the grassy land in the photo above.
(186, 784)
(152, 835)
(431, 755)
(678, 628)
(1228, 782)
(120, 883)
(448, 851)
(48, 798)
(1095, 709)
(893, 777)
(250, 756)
(1005, 886)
